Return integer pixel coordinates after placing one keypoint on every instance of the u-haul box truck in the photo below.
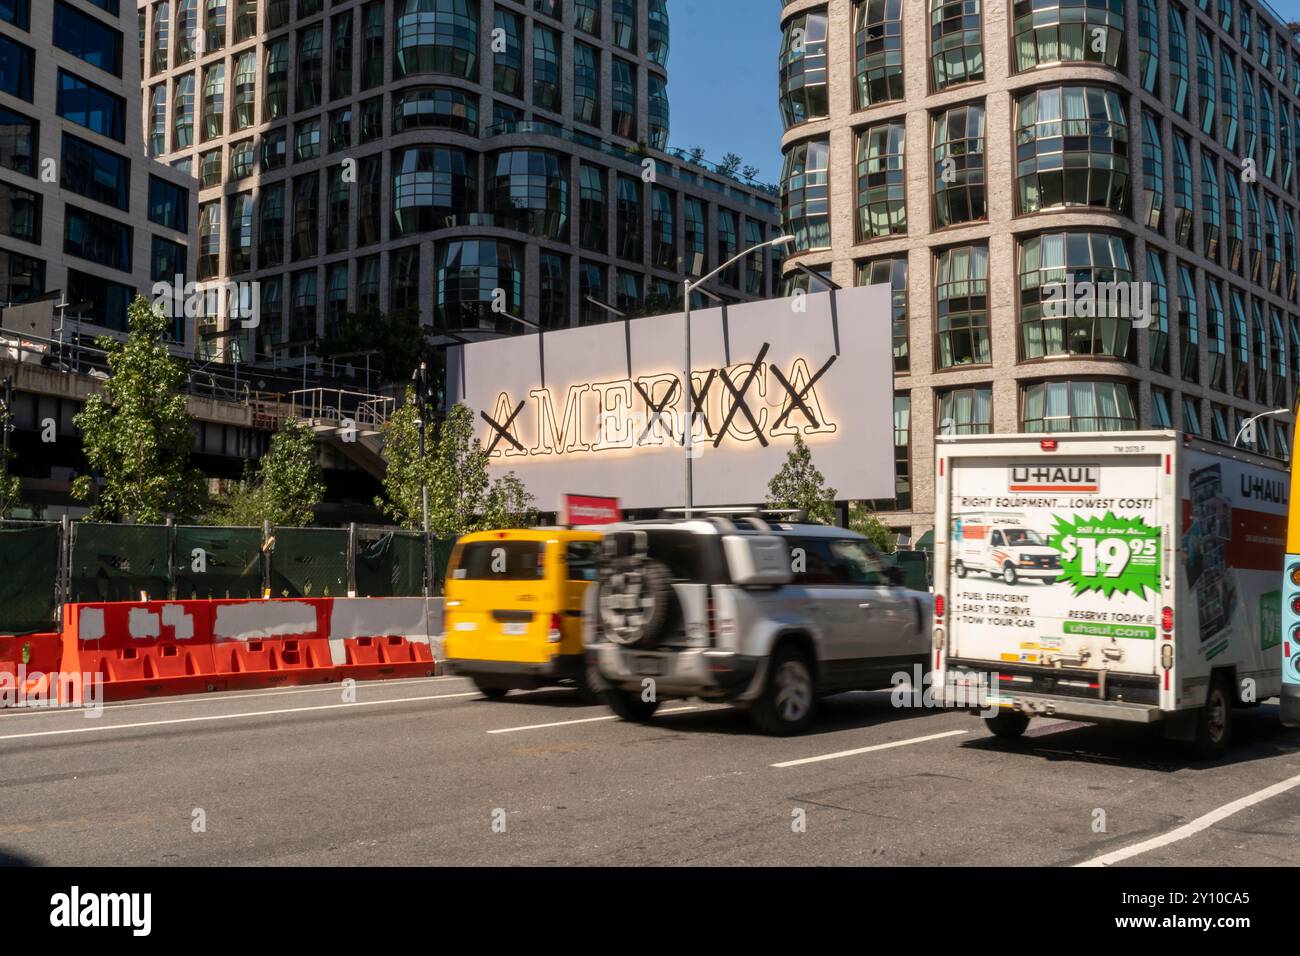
(1160, 600)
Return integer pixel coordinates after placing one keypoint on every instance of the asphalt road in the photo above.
(426, 772)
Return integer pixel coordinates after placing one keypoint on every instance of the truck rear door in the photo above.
(1083, 592)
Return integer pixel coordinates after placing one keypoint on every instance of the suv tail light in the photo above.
(712, 617)
(556, 632)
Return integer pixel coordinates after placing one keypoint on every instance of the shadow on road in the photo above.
(14, 858)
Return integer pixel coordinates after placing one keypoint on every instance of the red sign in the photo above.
(585, 509)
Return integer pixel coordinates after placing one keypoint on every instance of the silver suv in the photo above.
(770, 617)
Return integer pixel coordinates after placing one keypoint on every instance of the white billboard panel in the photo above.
(600, 410)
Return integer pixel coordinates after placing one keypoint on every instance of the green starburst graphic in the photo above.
(1108, 554)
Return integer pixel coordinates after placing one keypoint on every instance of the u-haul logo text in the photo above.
(1083, 479)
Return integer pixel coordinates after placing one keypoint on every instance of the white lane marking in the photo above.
(9, 712)
(256, 713)
(584, 720)
(1196, 826)
(867, 750)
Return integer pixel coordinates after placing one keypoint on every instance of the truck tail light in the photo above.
(938, 607)
(556, 632)
(1295, 605)
(1294, 575)
(1167, 620)
(1167, 656)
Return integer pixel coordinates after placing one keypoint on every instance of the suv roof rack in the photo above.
(794, 515)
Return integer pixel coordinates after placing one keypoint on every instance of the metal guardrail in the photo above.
(336, 405)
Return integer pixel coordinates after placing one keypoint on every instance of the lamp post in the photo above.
(1254, 418)
(688, 427)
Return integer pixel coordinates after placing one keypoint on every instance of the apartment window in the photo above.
(340, 129)
(1217, 336)
(368, 283)
(586, 16)
(89, 105)
(467, 275)
(965, 411)
(878, 51)
(803, 69)
(1183, 219)
(1191, 416)
(624, 20)
(435, 107)
(242, 112)
(1072, 149)
(270, 228)
(239, 246)
(17, 12)
(1249, 129)
(1267, 130)
(1209, 207)
(162, 36)
(306, 192)
(245, 19)
(882, 199)
(277, 14)
(1179, 59)
(210, 169)
(242, 161)
(959, 185)
(1188, 326)
(696, 224)
(1050, 326)
(1153, 172)
(593, 215)
(624, 99)
(94, 172)
(20, 213)
(1238, 345)
(214, 36)
(663, 229)
(1061, 31)
(755, 273)
(1228, 101)
(112, 299)
(657, 41)
(956, 46)
(276, 98)
(370, 200)
(87, 38)
(169, 204)
(1254, 238)
(1148, 46)
(341, 55)
(902, 500)
(166, 260)
(508, 63)
(88, 235)
(1272, 246)
(432, 186)
(962, 306)
(658, 112)
(729, 246)
(274, 149)
(336, 297)
(307, 93)
(1233, 219)
(1078, 406)
(19, 141)
(1161, 414)
(528, 190)
(372, 45)
(187, 27)
(552, 290)
(546, 69)
(1159, 318)
(372, 119)
(628, 288)
(214, 98)
(1205, 91)
(16, 68)
(805, 194)
(893, 272)
(304, 305)
(591, 285)
(586, 84)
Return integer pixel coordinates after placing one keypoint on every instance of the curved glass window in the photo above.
(304, 305)
(239, 246)
(956, 44)
(586, 84)
(1068, 31)
(270, 228)
(1183, 218)
(467, 275)
(657, 42)
(1233, 220)
(659, 112)
(1244, 36)
(1249, 129)
(627, 210)
(663, 229)
(341, 55)
(245, 19)
(183, 113)
(435, 107)
(878, 51)
(1228, 103)
(805, 194)
(1179, 60)
(1072, 149)
(1238, 345)
(275, 101)
(882, 187)
(1272, 245)
(755, 266)
(546, 69)
(1210, 216)
(306, 139)
(623, 98)
(729, 246)
(245, 93)
(1148, 46)
(966, 411)
(214, 96)
(1288, 229)
(1287, 167)
(1188, 326)
(1052, 323)
(959, 185)
(586, 16)
(1153, 172)
(161, 36)
(337, 202)
(696, 230)
(370, 201)
(158, 120)
(187, 24)
(209, 249)
(961, 292)
(803, 69)
(372, 47)
(274, 148)
(214, 26)
(1159, 318)
(1254, 237)
(436, 36)
(528, 190)
(1205, 80)
(242, 163)
(431, 186)
(1225, 16)
(552, 290)
(1267, 131)
(624, 18)
(1216, 328)
(591, 285)
(508, 62)
(1079, 406)
(593, 210)
(892, 271)
(306, 194)
(309, 68)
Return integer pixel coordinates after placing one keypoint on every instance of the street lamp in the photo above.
(690, 287)
(1250, 421)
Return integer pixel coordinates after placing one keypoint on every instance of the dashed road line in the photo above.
(584, 720)
(867, 750)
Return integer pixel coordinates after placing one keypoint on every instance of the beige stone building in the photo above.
(988, 156)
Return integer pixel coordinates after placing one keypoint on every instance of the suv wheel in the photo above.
(788, 701)
(630, 706)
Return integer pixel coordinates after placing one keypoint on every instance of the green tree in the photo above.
(800, 485)
(463, 497)
(865, 522)
(285, 488)
(397, 339)
(136, 431)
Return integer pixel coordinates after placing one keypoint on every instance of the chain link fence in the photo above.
(44, 565)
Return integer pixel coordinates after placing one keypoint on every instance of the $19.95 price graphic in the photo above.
(1108, 554)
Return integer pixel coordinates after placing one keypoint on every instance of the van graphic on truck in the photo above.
(1003, 546)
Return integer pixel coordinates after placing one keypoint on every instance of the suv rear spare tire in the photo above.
(635, 601)
(630, 706)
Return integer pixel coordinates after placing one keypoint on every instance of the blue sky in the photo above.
(722, 77)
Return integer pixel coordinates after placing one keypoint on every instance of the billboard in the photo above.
(602, 408)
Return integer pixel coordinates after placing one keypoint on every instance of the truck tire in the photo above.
(789, 701)
(629, 705)
(1009, 573)
(635, 601)
(1008, 724)
(1214, 721)
(959, 569)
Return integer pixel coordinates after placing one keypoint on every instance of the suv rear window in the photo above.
(499, 561)
(696, 558)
